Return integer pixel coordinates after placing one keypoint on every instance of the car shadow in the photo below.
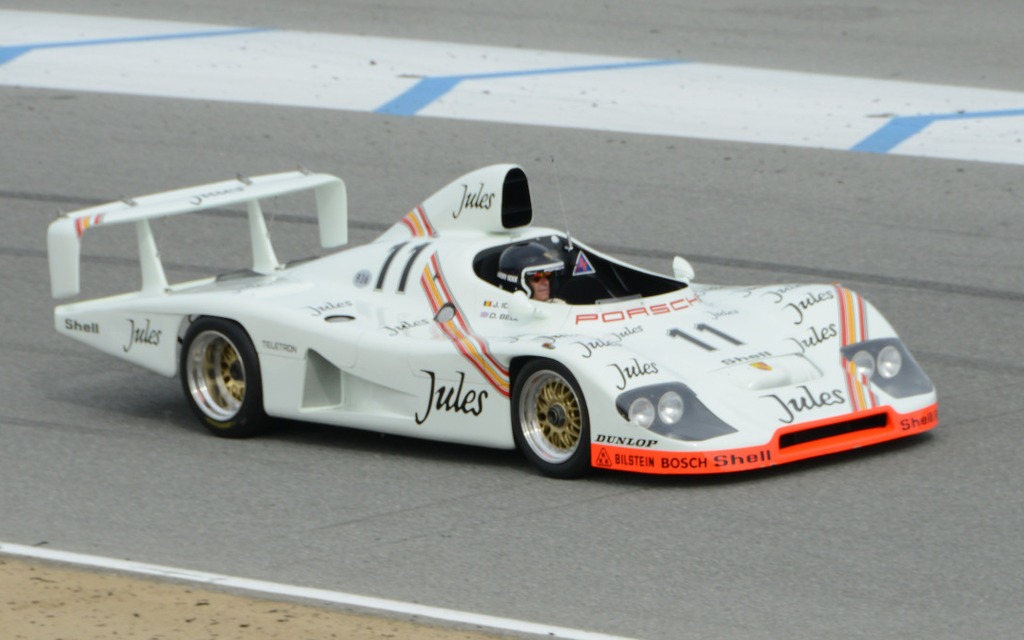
(373, 442)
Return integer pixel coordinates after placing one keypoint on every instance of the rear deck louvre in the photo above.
(877, 421)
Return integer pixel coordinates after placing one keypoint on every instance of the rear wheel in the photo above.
(220, 374)
(550, 421)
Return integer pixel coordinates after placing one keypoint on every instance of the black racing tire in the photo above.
(550, 423)
(220, 374)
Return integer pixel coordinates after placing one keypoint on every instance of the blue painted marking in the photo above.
(425, 92)
(432, 88)
(10, 53)
(902, 128)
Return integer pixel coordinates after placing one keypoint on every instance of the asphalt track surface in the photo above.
(916, 539)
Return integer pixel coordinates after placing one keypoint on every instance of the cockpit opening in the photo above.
(573, 273)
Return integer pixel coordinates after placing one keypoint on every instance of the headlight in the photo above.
(893, 367)
(641, 412)
(670, 407)
(865, 364)
(890, 361)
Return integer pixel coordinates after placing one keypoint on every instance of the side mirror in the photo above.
(682, 269)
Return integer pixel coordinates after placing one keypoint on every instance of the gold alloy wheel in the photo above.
(550, 416)
(216, 375)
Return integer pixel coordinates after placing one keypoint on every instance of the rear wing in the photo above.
(64, 236)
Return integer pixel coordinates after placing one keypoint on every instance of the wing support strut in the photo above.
(263, 258)
(153, 278)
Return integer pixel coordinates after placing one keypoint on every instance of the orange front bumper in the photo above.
(791, 443)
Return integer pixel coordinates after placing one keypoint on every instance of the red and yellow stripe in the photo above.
(853, 328)
(473, 347)
(83, 223)
(418, 223)
(851, 316)
(861, 395)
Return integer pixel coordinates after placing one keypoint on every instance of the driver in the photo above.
(529, 267)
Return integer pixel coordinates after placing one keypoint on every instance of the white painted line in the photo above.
(506, 85)
(305, 593)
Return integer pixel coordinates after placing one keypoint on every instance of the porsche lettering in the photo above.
(657, 309)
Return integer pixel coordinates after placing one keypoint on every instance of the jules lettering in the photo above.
(818, 335)
(779, 294)
(141, 334)
(318, 310)
(633, 370)
(451, 399)
(470, 200)
(806, 401)
(715, 315)
(629, 331)
(590, 346)
(404, 325)
(806, 303)
(613, 340)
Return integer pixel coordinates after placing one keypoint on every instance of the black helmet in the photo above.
(521, 260)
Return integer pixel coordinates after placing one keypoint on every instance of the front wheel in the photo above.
(549, 419)
(220, 374)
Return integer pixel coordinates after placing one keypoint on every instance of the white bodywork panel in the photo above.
(412, 334)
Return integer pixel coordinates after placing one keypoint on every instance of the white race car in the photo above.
(465, 323)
